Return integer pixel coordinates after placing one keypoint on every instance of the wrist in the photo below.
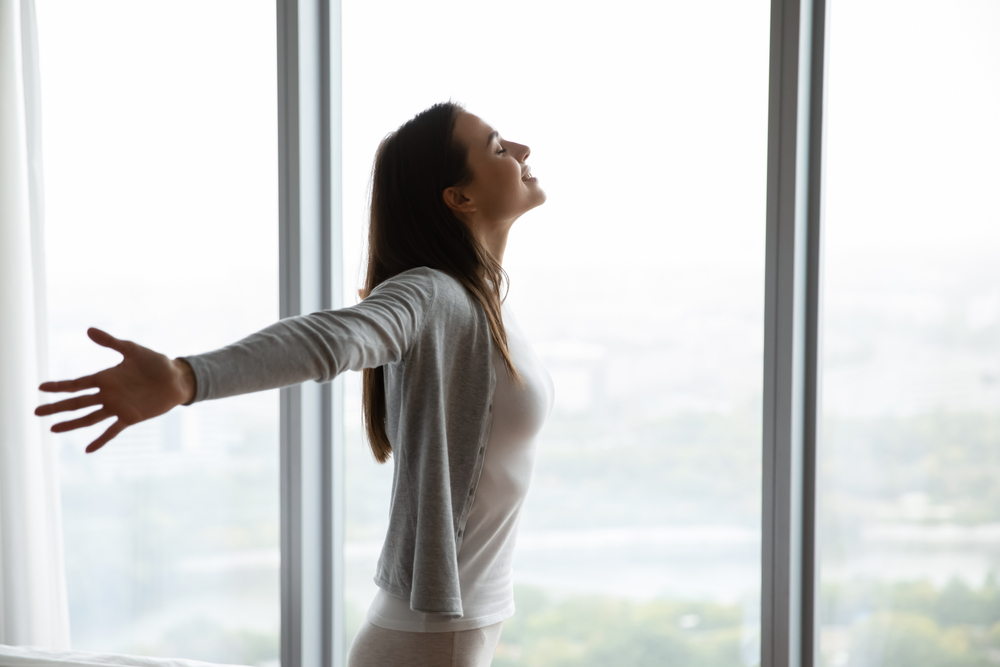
(186, 381)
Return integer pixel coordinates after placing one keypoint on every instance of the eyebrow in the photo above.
(489, 139)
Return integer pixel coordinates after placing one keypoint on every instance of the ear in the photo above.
(456, 200)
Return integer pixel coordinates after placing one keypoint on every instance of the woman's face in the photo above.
(502, 188)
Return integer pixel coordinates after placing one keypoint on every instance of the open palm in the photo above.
(144, 385)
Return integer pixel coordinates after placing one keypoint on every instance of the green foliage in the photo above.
(596, 631)
(910, 624)
(956, 604)
(901, 639)
(863, 624)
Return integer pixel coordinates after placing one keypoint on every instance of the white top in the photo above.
(486, 555)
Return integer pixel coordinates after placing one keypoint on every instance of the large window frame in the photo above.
(312, 432)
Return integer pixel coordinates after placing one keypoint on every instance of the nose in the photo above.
(527, 152)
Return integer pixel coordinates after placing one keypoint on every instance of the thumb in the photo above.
(105, 339)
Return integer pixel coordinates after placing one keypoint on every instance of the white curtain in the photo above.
(33, 608)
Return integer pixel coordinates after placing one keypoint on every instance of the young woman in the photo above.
(451, 387)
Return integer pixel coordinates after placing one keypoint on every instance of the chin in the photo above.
(537, 199)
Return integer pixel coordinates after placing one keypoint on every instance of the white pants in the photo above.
(378, 647)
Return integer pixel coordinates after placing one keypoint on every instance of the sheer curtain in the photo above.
(33, 607)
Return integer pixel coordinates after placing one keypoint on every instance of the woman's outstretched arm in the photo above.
(318, 347)
(144, 385)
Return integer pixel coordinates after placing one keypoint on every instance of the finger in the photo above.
(86, 420)
(112, 431)
(68, 405)
(105, 339)
(79, 384)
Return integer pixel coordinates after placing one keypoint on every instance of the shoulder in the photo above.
(433, 287)
(424, 275)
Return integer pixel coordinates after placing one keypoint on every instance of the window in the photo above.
(639, 283)
(687, 240)
(911, 372)
(161, 183)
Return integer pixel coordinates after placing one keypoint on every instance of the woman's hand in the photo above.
(144, 385)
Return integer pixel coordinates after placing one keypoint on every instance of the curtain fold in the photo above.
(33, 605)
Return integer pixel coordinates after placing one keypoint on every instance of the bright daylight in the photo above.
(343, 333)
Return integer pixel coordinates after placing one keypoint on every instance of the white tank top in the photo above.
(486, 555)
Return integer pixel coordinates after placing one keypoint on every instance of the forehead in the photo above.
(473, 129)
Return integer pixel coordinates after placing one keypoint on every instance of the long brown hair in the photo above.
(411, 226)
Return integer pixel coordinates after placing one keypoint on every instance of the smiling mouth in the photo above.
(527, 175)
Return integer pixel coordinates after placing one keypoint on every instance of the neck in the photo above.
(496, 244)
(492, 236)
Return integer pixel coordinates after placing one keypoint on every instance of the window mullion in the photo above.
(792, 310)
(334, 489)
(309, 242)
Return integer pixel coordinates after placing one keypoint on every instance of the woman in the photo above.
(450, 387)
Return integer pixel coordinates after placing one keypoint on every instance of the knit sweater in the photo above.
(433, 340)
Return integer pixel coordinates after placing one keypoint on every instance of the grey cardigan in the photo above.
(433, 339)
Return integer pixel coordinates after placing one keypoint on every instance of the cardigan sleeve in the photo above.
(319, 346)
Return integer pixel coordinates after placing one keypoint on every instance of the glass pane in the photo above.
(161, 182)
(640, 284)
(911, 416)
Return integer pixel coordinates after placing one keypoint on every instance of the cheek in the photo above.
(512, 180)
(504, 185)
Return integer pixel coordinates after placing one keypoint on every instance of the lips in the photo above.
(527, 174)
